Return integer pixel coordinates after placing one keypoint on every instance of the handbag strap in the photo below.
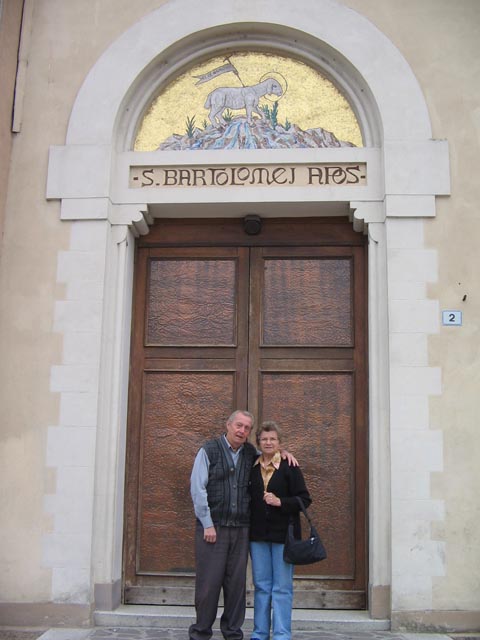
(302, 507)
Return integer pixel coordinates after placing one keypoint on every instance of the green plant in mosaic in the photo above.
(190, 126)
(288, 124)
(274, 114)
(205, 123)
(271, 114)
(228, 116)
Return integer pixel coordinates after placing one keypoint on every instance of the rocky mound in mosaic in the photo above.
(239, 134)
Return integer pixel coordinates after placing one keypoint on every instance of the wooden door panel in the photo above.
(307, 371)
(188, 373)
(316, 411)
(307, 302)
(179, 409)
(191, 301)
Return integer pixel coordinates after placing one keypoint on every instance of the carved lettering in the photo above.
(222, 178)
(199, 178)
(170, 177)
(184, 177)
(315, 172)
(243, 173)
(235, 177)
(277, 173)
(335, 174)
(258, 174)
(219, 177)
(355, 174)
(147, 177)
(315, 175)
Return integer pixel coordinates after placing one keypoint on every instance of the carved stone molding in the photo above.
(362, 213)
(136, 217)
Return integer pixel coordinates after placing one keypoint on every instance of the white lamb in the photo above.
(240, 98)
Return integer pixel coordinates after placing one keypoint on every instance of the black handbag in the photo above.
(305, 551)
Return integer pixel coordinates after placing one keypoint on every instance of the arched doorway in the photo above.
(90, 174)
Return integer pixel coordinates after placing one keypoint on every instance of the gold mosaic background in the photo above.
(310, 100)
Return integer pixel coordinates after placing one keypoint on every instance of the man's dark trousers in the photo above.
(222, 564)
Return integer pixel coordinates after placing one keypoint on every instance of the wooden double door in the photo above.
(274, 323)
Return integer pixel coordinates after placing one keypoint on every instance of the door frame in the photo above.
(121, 265)
(298, 237)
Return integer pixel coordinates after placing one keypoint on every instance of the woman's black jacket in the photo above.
(268, 523)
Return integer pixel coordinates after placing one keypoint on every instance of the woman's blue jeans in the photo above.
(273, 581)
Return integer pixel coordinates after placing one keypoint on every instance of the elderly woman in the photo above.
(274, 486)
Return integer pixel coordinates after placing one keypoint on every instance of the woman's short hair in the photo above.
(268, 425)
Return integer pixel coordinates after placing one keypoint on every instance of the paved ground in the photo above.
(15, 634)
(146, 633)
(157, 634)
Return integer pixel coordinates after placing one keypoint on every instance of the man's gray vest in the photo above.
(227, 487)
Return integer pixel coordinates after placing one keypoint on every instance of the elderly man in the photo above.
(219, 488)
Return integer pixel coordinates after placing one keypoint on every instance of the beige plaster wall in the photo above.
(441, 41)
(10, 23)
(66, 40)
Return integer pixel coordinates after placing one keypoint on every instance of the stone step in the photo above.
(171, 617)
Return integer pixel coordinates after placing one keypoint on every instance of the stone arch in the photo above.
(240, 36)
(320, 26)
